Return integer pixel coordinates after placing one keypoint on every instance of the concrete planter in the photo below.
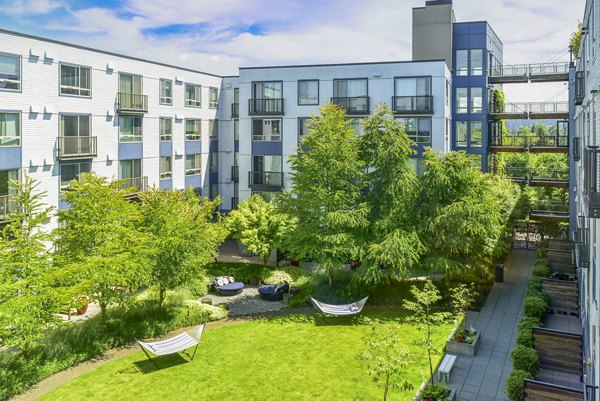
(456, 348)
(419, 397)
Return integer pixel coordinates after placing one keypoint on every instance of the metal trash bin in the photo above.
(499, 273)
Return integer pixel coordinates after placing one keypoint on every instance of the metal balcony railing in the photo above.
(140, 184)
(76, 147)
(509, 70)
(356, 105)
(235, 173)
(530, 70)
(132, 103)
(549, 68)
(265, 107)
(412, 104)
(529, 173)
(235, 110)
(265, 179)
(558, 141)
(550, 205)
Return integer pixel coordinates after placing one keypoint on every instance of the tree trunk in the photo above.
(103, 316)
(266, 259)
(330, 276)
(162, 294)
(387, 383)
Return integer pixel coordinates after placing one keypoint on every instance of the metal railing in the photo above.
(265, 106)
(353, 105)
(525, 70)
(526, 141)
(550, 205)
(549, 68)
(235, 173)
(139, 183)
(531, 107)
(69, 147)
(412, 104)
(235, 110)
(265, 178)
(132, 102)
(529, 173)
(509, 70)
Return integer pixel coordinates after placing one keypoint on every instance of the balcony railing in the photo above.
(531, 110)
(550, 205)
(592, 180)
(546, 174)
(357, 105)
(139, 184)
(265, 179)
(7, 206)
(530, 70)
(235, 110)
(235, 173)
(549, 68)
(76, 147)
(265, 107)
(559, 141)
(412, 104)
(132, 103)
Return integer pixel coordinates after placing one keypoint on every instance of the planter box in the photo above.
(451, 397)
(453, 347)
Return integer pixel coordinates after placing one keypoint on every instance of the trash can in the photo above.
(499, 273)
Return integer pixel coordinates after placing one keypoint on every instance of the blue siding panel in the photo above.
(213, 146)
(193, 147)
(267, 148)
(213, 178)
(130, 151)
(194, 181)
(165, 184)
(166, 148)
(10, 158)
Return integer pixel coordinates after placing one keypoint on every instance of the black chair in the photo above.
(274, 292)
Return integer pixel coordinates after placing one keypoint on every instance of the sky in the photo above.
(218, 36)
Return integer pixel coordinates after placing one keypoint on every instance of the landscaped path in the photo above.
(483, 377)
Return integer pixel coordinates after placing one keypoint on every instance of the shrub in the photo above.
(199, 286)
(541, 270)
(213, 312)
(525, 358)
(534, 284)
(525, 332)
(515, 384)
(535, 306)
(542, 262)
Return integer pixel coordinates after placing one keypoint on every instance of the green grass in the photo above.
(288, 358)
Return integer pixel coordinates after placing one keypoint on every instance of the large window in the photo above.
(130, 129)
(213, 162)
(267, 196)
(266, 129)
(74, 125)
(413, 94)
(266, 170)
(131, 84)
(75, 80)
(213, 191)
(356, 124)
(236, 130)
(461, 133)
(308, 92)
(267, 98)
(476, 100)
(213, 129)
(213, 98)
(462, 101)
(476, 62)
(166, 92)
(417, 129)
(166, 128)
(166, 167)
(10, 129)
(10, 72)
(350, 88)
(302, 127)
(418, 165)
(192, 164)
(476, 129)
(71, 171)
(193, 130)
(130, 170)
(193, 95)
(462, 63)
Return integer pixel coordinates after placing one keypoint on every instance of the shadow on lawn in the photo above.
(164, 362)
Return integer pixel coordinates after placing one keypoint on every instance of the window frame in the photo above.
(165, 175)
(318, 92)
(20, 126)
(213, 104)
(467, 69)
(350, 79)
(458, 109)
(71, 163)
(471, 124)
(20, 81)
(79, 67)
(141, 136)
(78, 115)
(481, 67)
(197, 169)
(160, 96)
(165, 137)
(198, 124)
(300, 125)
(213, 129)
(213, 157)
(260, 138)
(417, 137)
(471, 101)
(197, 103)
(465, 143)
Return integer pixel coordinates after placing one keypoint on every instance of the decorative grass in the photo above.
(288, 358)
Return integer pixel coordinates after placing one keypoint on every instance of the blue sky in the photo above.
(220, 35)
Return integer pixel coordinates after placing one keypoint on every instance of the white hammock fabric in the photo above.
(340, 310)
(176, 344)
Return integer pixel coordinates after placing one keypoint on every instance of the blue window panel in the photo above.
(193, 147)
(194, 181)
(478, 41)
(267, 148)
(130, 151)
(236, 146)
(166, 184)
(10, 158)
(166, 148)
(461, 42)
(461, 29)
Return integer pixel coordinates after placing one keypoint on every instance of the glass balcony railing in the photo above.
(73, 147)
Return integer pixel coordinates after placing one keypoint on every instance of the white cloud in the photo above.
(29, 7)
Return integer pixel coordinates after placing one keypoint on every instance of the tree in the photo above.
(424, 317)
(325, 198)
(27, 303)
(463, 297)
(258, 225)
(390, 239)
(100, 247)
(184, 238)
(386, 359)
(575, 39)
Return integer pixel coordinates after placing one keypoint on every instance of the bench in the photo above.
(446, 367)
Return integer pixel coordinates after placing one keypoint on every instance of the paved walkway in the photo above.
(246, 303)
(483, 377)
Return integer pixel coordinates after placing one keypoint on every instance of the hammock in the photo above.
(176, 344)
(340, 310)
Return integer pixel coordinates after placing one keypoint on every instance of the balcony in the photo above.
(265, 107)
(555, 211)
(533, 143)
(132, 103)
(76, 147)
(533, 110)
(592, 180)
(7, 206)
(134, 185)
(265, 180)
(509, 73)
(412, 104)
(539, 177)
(235, 174)
(358, 105)
(235, 110)
(521, 73)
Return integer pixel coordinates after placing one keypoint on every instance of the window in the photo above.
(413, 94)
(236, 130)
(192, 164)
(417, 129)
(130, 171)
(10, 72)
(71, 171)
(130, 129)
(166, 168)
(75, 135)
(213, 98)
(266, 129)
(302, 127)
(213, 129)
(166, 92)
(476, 61)
(462, 63)
(166, 128)
(308, 92)
(350, 88)
(10, 129)
(476, 100)
(356, 124)
(213, 162)
(131, 84)
(461, 133)
(75, 80)
(193, 130)
(476, 128)
(193, 95)
(267, 98)
(213, 191)
(418, 165)
(461, 101)
(266, 170)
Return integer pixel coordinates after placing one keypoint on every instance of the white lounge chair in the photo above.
(176, 344)
(339, 310)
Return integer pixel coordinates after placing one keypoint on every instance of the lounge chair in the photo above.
(350, 309)
(173, 345)
(273, 292)
(229, 289)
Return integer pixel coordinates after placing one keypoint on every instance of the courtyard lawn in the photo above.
(288, 358)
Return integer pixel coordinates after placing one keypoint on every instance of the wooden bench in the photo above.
(446, 367)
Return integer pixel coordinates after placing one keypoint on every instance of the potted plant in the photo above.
(438, 392)
(82, 302)
(462, 341)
